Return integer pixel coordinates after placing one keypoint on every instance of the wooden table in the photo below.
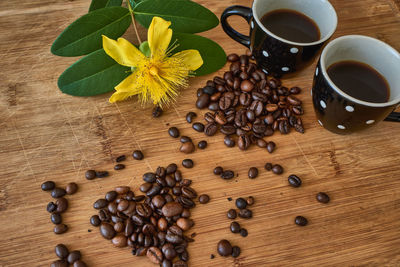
(46, 135)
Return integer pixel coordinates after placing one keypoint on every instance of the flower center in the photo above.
(153, 71)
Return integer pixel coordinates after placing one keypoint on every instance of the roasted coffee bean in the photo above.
(228, 141)
(277, 169)
(294, 101)
(224, 248)
(204, 199)
(235, 227)
(246, 86)
(227, 175)
(218, 170)
(187, 163)
(51, 207)
(173, 238)
(58, 192)
(119, 227)
(271, 147)
(245, 213)
(176, 191)
(166, 263)
(107, 231)
(145, 187)
(173, 132)
(104, 216)
(231, 214)
(188, 192)
(149, 177)
(71, 188)
(138, 155)
(79, 263)
(120, 158)
(55, 218)
(100, 203)
(95, 220)
(241, 203)
(209, 117)
(268, 166)
(210, 90)
(154, 255)
(47, 186)
(123, 189)
(198, 126)
(111, 196)
(301, 221)
(284, 127)
(294, 180)
(59, 263)
(74, 256)
(186, 202)
(232, 57)
(185, 139)
(250, 200)
(299, 128)
(187, 147)
(261, 143)
(102, 174)
(62, 205)
(243, 232)
(220, 118)
(225, 102)
(61, 251)
(123, 205)
(179, 264)
(244, 142)
(119, 241)
(210, 129)
(213, 106)
(157, 112)
(202, 144)
(253, 172)
(141, 251)
(228, 129)
(190, 116)
(203, 101)
(235, 251)
(322, 197)
(184, 223)
(295, 90)
(171, 168)
(60, 229)
(172, 209)
(90, 174)
(119, 166)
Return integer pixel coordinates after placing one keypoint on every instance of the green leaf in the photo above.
(93, 74)
(213, 55)
(83, 36)
(97, 4)
(134, 2)
(145, 49)
(186, 16)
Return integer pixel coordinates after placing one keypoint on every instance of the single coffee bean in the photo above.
(123, 189)
(301, 221)
(100, 204)
(322, 197)
(246, 86)
(51, 207)
(138, 155)
(253, 172)
(185, 139)
(155, 255)
(58, 192)
(119, 166)
(179, 263)
(60, 229)
(245, 214)
(149, 177)
(250, 200)
(229, 142)
(218, 170)
(187, 147)
(90, 174)
(171, 168)
(294, 180)
(190, 116)
(74, 256)
(59, 263)
(227, 175)
(61, 251)
(184, 223)
(173, 132)
(102, 174)
(231, 214)
(210, 129)
(119, 241)
(79, 263)
(271, 147)
(111, 196)
(268, 166)
(55, 218)
(120, 158)
(198, 126)
(187, 163)
(232, 57)
(107, 231)
(47, 186)
(202, 144)
(261, 143)
(235, 227)
(277, 169)
(235, 251)
(213, 106)
(71, 188)
(244, 142)
(295, 90)
(157, 112)
(224, 248)
(241, 203)
(243, 232)
(203, 101)
(95, 220)
(172, 209)
(204, 199)
(210, 90)
(62, 205)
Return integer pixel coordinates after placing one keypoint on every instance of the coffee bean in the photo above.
(58, 192)
(90, 174)
(218, 170)
(154, 255)
(268, 166)
(190, 116)
(95, 220)
(51, 207)
(119, 167)
(123, 189)
(204, 199)
(172, 209)
(71, 188)
(235, 227)
(157, 112)
(138, 155)
(187, 163)
(184, 223)
(301, 221)
(322, 197)
(102, 174)
(245, 214)
(225, 102)
(277, 169)
(253, 172)
(74, 256)
(107, 231)
(261, 143)
(79, 263)
(187, 147)
(246, 86)
(185, 139)
(55, 218)
(294, 101)
(229, 142)
(224, 248)
(198, 126)
(47, 186)
(119, 241)
(202, 144)
(171, 168)
(59, 263)
(62, 205)
(220, 118)
(244, 142)
(228, 129)
(203, 101)
(210, 129)
(271, 147)
(232, 57)
(111, 196)
(250, 200)
(235, 251)
(210, 90)
(241, 203)
(227, 175)
(179, 264)
(243, 232)
(213, 106)
(173, 132)
(294, 180)
(100, 203)
(60, 229)
(295, 90)
(61, 251)
(231, 214)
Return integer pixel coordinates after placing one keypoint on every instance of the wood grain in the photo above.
(46, 135)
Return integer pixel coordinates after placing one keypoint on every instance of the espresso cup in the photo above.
(274, 54)
(336, 110)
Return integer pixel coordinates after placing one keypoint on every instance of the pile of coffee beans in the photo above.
(248, 104)
(92, 174)
(244, 212)
(152, 223)
(67, 258)
(225, 249)
(60, 205)
(224, 174)
(275, 168)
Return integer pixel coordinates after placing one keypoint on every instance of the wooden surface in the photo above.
(46, 135)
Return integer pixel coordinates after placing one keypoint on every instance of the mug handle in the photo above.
(242, 11)
(394, 116)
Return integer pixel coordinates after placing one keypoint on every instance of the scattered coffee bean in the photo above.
(120, 158)
(250, 200)
(119, 166)
(102, 174)
(157, 112)
(235, 251)
(100, 203)
(190, 116)
(253, 172)
(47, 186)
(95, 220)
(59, 263)
(74, 256)
(173, 132)
(231, 214)
(243, 232)
(71, 188)
(55, 218)
(245, 214)
(79, 263)
(323, 197)
(235, 227)
(51, 207)
(224, 248)
(268, 166)
(227, 175)
(198, 126)
(138, 155)
(232, 57)
(187, 163)
(277, 169)
(271, 147)
(294, 180)
(62, 205)
(241, 203)
(218, 170)
(185, 139)
(204, 199)
(61, 251)
(90, 174)
(228, 141)
(107, 231)
(202, 144)
(187, 147)
(301, 221)
(203, 101)
(58, 192)
(60, 229)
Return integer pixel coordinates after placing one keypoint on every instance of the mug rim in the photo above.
(342, 93)
(320, 41)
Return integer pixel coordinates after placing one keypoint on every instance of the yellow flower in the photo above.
(157, 77)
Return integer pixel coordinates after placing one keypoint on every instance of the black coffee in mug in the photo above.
(360, 81)
(291, 25)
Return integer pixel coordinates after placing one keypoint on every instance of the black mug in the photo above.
(276, 55)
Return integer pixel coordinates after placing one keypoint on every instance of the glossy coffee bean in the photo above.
(95, 220)
(79, 263)
(271, 147)
(226, 175)
(268, 166)
(250, 200)
(235, 227)
(74, 256)
(107, 231)
(187, 163)
(190, 116)
(62, 205)
(59, 263)
(47, 186)
(243, 232)
(90, 174)
(187, 147)
(253, 172)
(232, 57)
(229, 142)
(60, 229)
(294, 180)
(172, 209)
(224, 248)
(202, 144)
(138, 155)
(245, 214)
(231, 214)
(173, 132)
(58, 192)
(120, 158)
(218, 170)
(100, 203)
(185, 139)
(204, 199)
(102, 174)
(198, 127)
(55, 218)
(61, 251)
(277, 169)
(119, 241)
(71, 188)
(203, 101)
(155, 255)
(322, 197)
(51, 207)
(235, 251)
(241, 203)
(301, 221)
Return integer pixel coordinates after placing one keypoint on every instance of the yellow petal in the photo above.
(123, 51)
(129, 84)
(190, 58)
(159, 35)
(119, 96)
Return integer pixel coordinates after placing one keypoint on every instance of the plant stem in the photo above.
(133, 21)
